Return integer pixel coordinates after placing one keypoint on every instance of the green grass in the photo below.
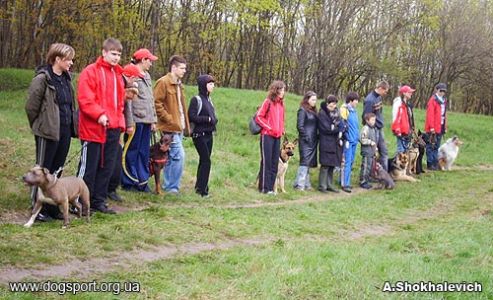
(437, 229)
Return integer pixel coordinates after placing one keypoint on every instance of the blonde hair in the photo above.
(63, 51)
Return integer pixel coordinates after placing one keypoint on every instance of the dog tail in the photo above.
(85, 199)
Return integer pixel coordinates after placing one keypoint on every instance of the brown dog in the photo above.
(287, 151)
(398, 167)
(57, 191)
(417, 143)
(158, 158)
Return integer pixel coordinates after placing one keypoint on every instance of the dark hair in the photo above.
(383, 84)
(175, 60)
(331, 99)
(112, 44)
(61, 50)
(369, 115)
(351, 96)
(274, 89)
(304, 103)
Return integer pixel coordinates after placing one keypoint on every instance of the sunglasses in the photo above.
(443, 91)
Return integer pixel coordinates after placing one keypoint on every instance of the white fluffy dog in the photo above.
(447, 153)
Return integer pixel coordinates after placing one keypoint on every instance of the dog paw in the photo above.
(28, 225)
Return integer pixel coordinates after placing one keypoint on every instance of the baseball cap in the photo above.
(406, 89)
(441, 86)
(144, 53)
(132, 70)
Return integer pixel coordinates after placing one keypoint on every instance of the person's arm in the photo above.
(88, 99)
(300, 122)
(365, 139)
(35, 98)
(262, 115)
(160, 98)
(193, 112)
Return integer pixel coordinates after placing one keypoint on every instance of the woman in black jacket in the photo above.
(330, 130)
(307, 129)
(203, 121)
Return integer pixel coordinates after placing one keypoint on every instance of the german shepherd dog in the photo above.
(287, 151)
(158, 158)
(416, 152)
(398, 168)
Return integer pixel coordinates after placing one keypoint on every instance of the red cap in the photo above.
(144, 53)
(406, 89)
(132, 70)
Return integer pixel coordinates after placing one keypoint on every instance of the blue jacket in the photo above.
(373, 104)
(350, 117)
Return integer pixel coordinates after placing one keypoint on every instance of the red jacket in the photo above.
(100, 91)
(270, 117)
(401, 122)
(434, 116)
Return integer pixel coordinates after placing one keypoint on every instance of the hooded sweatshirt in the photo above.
(206, 120)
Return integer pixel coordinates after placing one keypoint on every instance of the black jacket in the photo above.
(206, 120)
(329, 127)
(307, 128)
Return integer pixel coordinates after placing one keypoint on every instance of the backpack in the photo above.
(199, 105)
(254, 127)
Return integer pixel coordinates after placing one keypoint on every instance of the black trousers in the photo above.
(97, 164)
(51, 154)
(117, 172)
(203, 144)
(270, 151)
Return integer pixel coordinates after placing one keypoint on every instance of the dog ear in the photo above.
(285, 140)
(295, 142)
(46, 171)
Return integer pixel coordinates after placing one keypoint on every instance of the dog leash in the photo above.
(69, 161)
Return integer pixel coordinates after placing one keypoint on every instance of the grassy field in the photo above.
(298, 245)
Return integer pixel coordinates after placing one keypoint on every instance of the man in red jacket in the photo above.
(435, 124)
(101, 95)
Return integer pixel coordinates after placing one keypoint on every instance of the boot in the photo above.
(330, 176)
(322, 179)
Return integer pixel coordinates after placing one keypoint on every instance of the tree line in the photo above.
(327, 46)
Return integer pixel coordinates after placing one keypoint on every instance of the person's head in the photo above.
(352, 99)
(309, 100)
(370, 119)
(112, 51)
(331, 101)
(382, 88)
(441, 89)
(406, 92)
(61, 56)
(277, 89)
(178, 66)
(205, 84)
(143, 58)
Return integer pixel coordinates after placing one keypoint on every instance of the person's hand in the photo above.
(153, 127)
(210, 119)
(432, 130)
(130, 130)
(131, 93)
(103, 120)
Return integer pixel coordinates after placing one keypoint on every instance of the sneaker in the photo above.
(271, 193)
(332, 189)
(115, 197)
(323, 190)
(347, 189)
(103, 209)
(43, 218)
(298, 188)
(366, 185)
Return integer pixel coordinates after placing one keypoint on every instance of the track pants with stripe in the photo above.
(270, 151)
(97, 164)
(135, 162)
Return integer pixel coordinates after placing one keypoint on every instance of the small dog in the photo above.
(158, 158)
(57, 191)
(383, 177)
(287, 151)
(398, 168)
(447, 153)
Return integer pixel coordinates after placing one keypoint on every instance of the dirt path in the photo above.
(124, 261)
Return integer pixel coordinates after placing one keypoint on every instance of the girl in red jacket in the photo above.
(270, 117)
(402, 118)
(436, 122)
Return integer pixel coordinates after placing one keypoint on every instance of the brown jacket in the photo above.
(42, 108)
(166, 103)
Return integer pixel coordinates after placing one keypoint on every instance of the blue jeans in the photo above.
(302, 180)
(174, 166)
(349, 154)
(402, 144)
(432, 152)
